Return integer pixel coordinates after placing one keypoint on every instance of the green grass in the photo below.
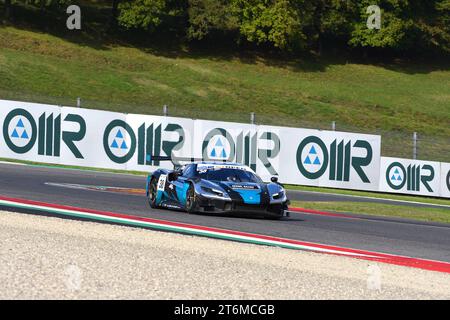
(372, 194)
(393, 100)
(377, 209)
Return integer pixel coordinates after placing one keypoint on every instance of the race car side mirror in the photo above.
(173, 176)
(274, 179)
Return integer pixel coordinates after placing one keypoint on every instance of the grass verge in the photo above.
(377, 209)
(369, 194)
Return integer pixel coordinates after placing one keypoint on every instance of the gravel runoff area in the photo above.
(53, 258)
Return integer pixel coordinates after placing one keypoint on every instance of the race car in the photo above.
(216, 187)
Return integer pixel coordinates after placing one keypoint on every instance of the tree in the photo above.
(406, 25)
(167, 15)
(115, 7)
(437, 30)
(145, 14)
(7, 9)
(331, 23)
(395, 29)
(288, 25)
(276, 22)
(211, 16)
(114, 14)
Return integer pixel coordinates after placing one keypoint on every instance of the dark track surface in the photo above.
(395, 236)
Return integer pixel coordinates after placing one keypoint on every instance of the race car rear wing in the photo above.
(176, 160)
(169, 158)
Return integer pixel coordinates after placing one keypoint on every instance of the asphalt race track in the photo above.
(394, 236)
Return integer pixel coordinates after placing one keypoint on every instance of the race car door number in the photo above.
(162, 182)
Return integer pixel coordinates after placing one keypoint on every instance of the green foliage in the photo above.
(145, 14)
(206, 16)
(393, 34)
(335, 16)
(396, 26)
(438, 34)
(406, 24)
(47, 3)
(287, 25)
(271, 21)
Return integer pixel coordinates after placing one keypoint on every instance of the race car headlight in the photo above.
(213, 191)
(278, 195)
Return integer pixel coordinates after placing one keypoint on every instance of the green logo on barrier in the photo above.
(397, 176)
(219, 144)
(314, 158)
(448, 180)
(70, 137)
(21, 132)
(120, 142)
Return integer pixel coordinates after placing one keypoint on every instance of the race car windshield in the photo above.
(234, 175)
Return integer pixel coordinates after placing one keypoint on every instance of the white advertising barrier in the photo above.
(30, 131)
(445, 180)
(154, 136)
(256, 146)
(225, 141)
(269, 160)
(91, 138)
(290, 171)
(82, 139)
(330, 159)
(410, 176)
(102, 139)
(125, 141)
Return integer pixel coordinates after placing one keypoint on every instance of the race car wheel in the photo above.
(276, 217)
(191, 202)
(152, 192)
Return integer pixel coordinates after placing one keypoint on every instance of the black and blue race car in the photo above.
(216, 187)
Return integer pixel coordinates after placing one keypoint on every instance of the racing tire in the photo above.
(278, 217)
(274, 217)
(191, 202)
(152, 193)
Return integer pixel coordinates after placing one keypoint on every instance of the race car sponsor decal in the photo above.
(171, 205)
(244, 186)
(162, 182)
(205, 167)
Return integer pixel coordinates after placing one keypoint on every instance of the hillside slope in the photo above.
(391, 100)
